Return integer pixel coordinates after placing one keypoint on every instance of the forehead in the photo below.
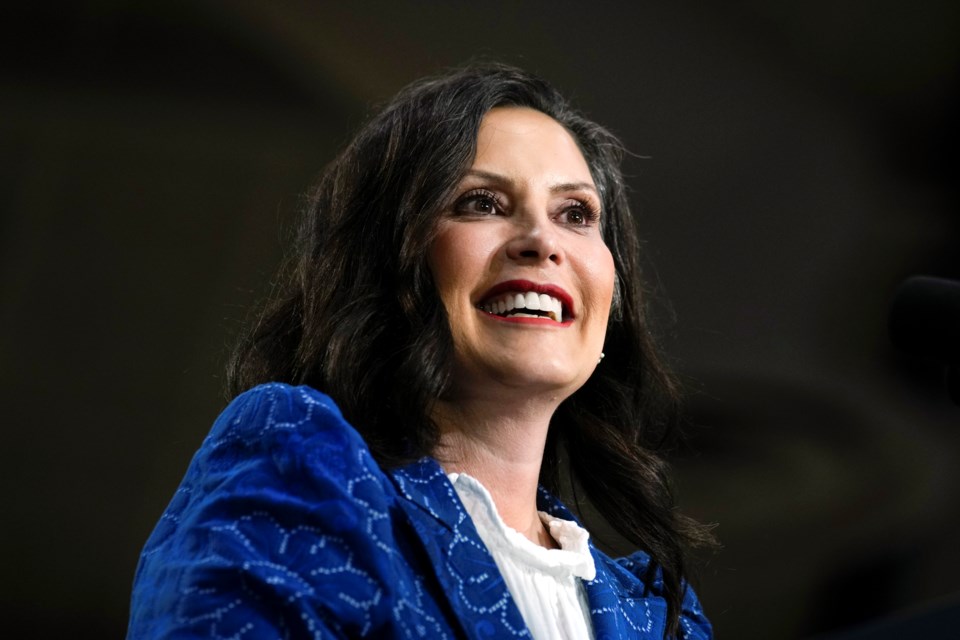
(529, 141)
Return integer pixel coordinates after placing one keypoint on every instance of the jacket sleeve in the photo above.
(277, 531)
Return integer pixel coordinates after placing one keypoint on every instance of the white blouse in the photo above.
(545, 583)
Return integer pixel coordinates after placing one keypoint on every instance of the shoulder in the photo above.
(280, 522)
(276, 414)
(293, 440)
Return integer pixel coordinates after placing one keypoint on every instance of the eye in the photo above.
(478, 202)
(577, 213)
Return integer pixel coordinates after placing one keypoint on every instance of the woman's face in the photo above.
(519, 261)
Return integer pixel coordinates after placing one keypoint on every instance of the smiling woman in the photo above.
(461, 268)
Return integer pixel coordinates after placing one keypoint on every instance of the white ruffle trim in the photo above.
(573, 558)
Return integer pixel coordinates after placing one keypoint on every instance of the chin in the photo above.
(559, 380)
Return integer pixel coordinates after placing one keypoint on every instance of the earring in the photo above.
(600, 359)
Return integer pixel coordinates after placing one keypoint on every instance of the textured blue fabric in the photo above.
(285, 527)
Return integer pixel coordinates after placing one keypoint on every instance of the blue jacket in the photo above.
(285, 527)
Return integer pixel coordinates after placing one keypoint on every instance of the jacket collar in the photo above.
(462, 564)
(472, 582)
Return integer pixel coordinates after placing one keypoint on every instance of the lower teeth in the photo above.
(521, 314)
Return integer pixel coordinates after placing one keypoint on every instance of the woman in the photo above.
(462, 267)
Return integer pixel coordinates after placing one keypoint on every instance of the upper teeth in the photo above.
(529, 300)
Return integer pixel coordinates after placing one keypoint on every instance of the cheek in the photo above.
(456, 263)
(442, 259)
(599, 275)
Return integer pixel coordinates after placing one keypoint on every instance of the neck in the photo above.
(500, 444)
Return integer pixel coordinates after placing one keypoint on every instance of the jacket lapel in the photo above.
(465, 569)
(616, 609)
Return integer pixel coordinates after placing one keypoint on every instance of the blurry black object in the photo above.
(925, 322)
(938, 620)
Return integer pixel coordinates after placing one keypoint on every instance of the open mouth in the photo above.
(523, 299)
(525, 305)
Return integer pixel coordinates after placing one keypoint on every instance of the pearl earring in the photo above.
(600, 359)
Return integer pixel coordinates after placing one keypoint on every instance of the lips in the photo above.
(525, 299)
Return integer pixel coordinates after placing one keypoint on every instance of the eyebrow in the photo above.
(556, 188)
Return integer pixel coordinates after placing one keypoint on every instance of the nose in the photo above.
(535, 240)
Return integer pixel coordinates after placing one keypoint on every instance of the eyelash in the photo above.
(585, 208)
(476, 195)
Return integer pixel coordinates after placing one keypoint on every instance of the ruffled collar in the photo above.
(573, 558)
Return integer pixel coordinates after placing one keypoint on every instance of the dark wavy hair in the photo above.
(355, 312)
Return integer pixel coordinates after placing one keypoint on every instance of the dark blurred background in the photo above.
(794, 162)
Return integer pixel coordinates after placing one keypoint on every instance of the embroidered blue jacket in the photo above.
(285, 527)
